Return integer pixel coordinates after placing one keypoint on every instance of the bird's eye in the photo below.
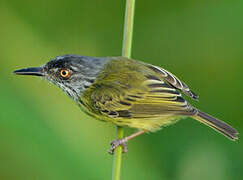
(64, 73)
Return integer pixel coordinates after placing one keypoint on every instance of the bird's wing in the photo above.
(173, 80)
(131, 89)
(150, 99)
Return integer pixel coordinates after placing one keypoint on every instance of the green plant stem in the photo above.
(126, 52)
(117, 156)
(128, 29)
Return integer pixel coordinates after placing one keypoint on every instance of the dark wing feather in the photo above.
(174, 81)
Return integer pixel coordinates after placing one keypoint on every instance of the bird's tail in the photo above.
(217, 125)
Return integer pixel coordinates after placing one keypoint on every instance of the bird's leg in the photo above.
(122, 142)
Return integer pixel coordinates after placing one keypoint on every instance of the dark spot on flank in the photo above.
(151, 77)
(124, 103)
(124, 113)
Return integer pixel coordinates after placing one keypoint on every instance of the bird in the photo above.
(125, 92)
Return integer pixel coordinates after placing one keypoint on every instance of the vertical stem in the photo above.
(128, 29)
(117, 156)
(126, 51)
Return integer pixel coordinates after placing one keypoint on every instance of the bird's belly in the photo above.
(147, 124)
(152, 123)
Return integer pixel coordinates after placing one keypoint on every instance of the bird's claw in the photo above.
(116, 143)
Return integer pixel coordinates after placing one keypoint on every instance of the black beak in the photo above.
(34, 71)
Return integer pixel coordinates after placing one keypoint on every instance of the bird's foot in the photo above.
(116, 143)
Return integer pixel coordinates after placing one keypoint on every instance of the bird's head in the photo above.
(72, 73)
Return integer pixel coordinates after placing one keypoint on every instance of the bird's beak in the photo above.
(33, 71)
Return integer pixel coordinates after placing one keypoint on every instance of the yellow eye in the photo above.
(64, 73)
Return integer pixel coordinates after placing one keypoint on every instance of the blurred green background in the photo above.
(44, 135)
